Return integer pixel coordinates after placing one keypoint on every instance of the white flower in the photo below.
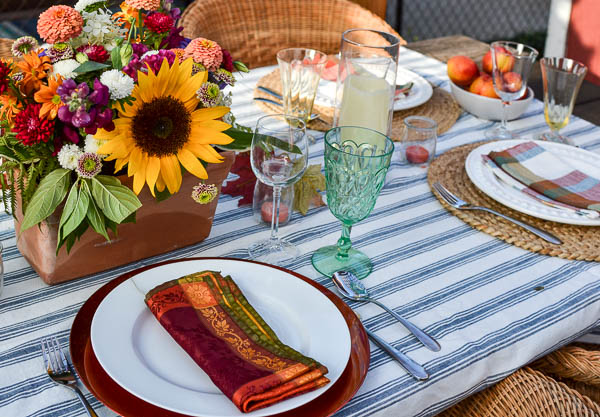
(69, 155)
(119, 84)
(147, 54)
(82, 4)
(92, 144)
(99, 29)
(65, 68)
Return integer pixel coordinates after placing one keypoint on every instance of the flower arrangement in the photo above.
(110, 94)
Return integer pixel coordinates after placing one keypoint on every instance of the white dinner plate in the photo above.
(585, 161)
(139, 354)
(420, 92)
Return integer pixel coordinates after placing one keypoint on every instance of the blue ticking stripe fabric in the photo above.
(492, 306)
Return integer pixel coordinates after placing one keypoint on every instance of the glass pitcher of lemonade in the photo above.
(367, 79)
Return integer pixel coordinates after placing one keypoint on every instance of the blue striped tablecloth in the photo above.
(474, 293)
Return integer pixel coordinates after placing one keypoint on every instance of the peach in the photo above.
(484, 86)
(462, 70)
(504, 60)
(512, 82)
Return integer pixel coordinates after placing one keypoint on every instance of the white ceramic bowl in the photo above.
(489, 108)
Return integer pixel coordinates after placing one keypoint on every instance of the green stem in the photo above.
(344, 244)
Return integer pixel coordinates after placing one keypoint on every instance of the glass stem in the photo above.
(344, 244)
(275, 213)
(504, 105)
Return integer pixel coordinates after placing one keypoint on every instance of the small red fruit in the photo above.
(512, 82)
(266, 212)
(416, 154)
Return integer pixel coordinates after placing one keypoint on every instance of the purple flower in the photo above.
(139, 49)
(175, 13)
(155, 61)
(174, 39)
(100, 95)
(133, 67)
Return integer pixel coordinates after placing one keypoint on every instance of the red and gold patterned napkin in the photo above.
(212, 321)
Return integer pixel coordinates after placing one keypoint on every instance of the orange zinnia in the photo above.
(49, 99)
(34, 69)
(9, 108)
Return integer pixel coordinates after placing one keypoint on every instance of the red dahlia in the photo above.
(95, 53)
(30, 128)
(159, 22)
(4, 76)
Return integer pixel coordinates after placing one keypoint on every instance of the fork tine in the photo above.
(442, 191)
(45, 355)
(57, 354)
(62, 354)
(49, 353)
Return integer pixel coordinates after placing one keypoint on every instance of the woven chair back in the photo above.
(254, 30)
(5, 45)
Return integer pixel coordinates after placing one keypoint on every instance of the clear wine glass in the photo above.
(279, 156)
(562, 79)
(511, 62)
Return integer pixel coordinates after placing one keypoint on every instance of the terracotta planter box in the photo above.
(160, 227)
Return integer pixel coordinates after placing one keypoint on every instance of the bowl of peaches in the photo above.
(474, 89)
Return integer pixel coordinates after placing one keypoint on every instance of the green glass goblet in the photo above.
(356, 162)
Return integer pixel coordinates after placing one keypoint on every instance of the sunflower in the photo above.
(162, 128)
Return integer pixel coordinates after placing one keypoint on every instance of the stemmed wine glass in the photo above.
(279, 156)
(511, 63)
(356, 162)
(562, 79)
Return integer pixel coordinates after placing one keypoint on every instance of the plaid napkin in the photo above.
(549, 175)
(212, 321)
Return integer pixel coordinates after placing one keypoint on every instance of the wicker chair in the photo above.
(565, 383)
(5, 45)
(254, 30)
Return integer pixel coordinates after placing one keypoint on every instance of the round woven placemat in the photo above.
(579, 242)
(441, 107)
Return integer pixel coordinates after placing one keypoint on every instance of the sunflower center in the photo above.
(162, 126)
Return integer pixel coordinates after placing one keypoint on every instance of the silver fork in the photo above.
(456, 202)
(59, 371)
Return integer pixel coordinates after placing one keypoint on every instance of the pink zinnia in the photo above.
(149, 5)
(59, 24)
(159, 22)
(205, 52)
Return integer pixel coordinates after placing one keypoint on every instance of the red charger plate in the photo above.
(126, 404)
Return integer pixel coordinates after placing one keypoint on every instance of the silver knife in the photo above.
(314, 116)
(269, 91)
(407, 363)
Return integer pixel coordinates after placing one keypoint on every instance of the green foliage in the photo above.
(307, 189)
(116, 201)
(89, 66)
(48, 195)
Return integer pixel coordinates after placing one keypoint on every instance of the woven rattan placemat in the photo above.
(579, 242)
(441, 107)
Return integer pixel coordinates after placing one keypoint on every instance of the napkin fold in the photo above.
(209, 317)
(549, 175)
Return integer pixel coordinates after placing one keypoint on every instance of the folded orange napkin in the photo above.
(209, 317)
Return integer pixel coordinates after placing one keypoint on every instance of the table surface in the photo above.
(587, 104)
(474, 293)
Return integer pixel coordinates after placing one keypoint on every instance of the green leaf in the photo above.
(306, 191)
(162, 195)
(240, 66)
(70, 205)
(89, 66)
(70, 240)
(94, 216)
(115, 58)
(49, 194)
(78, 214)
(242, 140)
(116, 201)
